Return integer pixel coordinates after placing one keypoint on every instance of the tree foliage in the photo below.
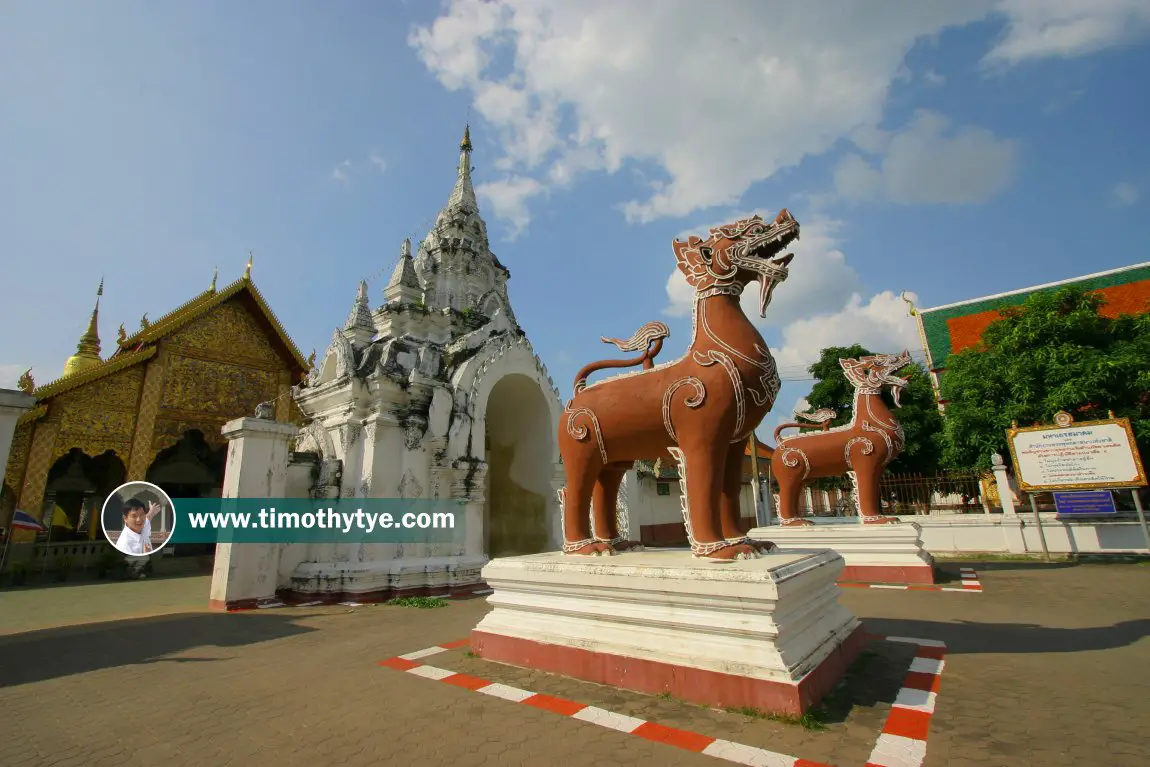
(918, 414)
(1054, 352)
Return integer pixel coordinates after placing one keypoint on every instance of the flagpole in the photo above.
(48, 545)
(7, 543)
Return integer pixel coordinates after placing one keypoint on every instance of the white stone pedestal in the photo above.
(245, 574)
(767, 633)
(890, 553)
(380, 581)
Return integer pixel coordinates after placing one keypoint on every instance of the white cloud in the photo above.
(929, 162)
(934, 78)
(710, 98)
(820, 279)
(1125, 193)
(375, 159)
(882, 325)
(508, 200)
(341, 172)
(1039, 29)
(717, 96)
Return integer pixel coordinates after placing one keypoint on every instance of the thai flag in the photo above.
(22, 520)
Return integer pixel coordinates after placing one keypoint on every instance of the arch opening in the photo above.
(76, 488)
(191, 468)
(518, 453)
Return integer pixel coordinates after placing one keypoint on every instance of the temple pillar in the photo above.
(151, 393)
(245, 574)
(13, 404)
(41, 456)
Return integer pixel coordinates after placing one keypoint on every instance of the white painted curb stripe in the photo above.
(609, 719)
(506, 691)
(748, 755)
(431, 672)
(897, 751)
(423, 653)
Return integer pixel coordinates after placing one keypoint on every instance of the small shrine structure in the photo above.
(436, 394)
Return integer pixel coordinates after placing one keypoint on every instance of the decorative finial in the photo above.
(100, 290)
(405, 251)
(910, 305)
(26, 383)
(121, 335)
(144, 323)
(248, 269)
(215, 276)
(465, 145)
(311, 360)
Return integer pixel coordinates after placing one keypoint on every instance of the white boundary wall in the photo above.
(1017, 534)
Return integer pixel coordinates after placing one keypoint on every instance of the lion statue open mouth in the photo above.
(698, 410)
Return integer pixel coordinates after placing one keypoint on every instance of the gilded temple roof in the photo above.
(141, 345)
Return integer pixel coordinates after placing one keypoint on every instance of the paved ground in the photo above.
(1050, 666)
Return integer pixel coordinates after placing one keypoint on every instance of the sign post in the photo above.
(1091, 455)
(1141, 517)
(1038, 524)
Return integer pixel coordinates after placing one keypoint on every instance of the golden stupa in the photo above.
(88, 350)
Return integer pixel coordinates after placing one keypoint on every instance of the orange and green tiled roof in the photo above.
(952, 328)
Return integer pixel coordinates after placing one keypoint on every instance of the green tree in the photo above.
(918, 414)
(1054, 352)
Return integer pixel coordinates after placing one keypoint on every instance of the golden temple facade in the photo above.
(152, 410)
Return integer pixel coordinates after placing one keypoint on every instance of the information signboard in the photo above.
(1089, 502)
(1091, 455)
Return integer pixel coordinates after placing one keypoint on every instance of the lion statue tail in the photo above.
(648, 339)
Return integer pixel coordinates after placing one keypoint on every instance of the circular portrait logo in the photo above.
(138, 518)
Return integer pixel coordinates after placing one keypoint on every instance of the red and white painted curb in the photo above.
(901, 744)
(970, 584)
(903, 739)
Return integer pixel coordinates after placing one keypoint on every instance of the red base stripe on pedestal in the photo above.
(706, 687)
(917, 574)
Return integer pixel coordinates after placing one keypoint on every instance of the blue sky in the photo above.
(951, 150)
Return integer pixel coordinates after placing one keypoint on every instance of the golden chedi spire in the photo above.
(88, 350)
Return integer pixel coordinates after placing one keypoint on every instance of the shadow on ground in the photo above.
(36, 656)
(874, 678)
(970, 637)
(37, 582)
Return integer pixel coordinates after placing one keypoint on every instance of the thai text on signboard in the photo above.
(1076, 456)
(1088, 502)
